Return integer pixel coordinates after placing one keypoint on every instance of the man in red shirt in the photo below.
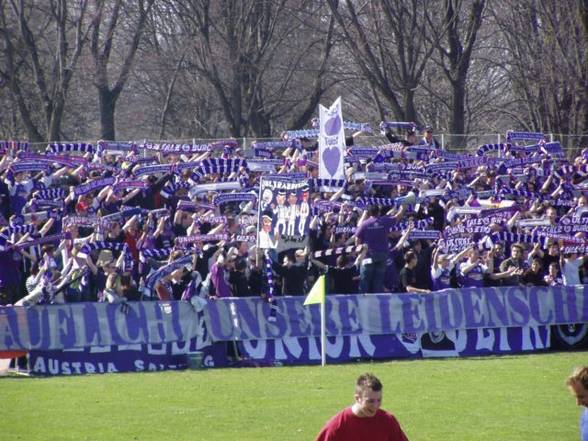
(364, 420)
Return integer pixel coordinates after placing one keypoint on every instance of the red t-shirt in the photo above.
(346, 426)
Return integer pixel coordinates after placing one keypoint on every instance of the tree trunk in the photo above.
(458, 113)
(410, 114)
(54, 128)
(107, 103)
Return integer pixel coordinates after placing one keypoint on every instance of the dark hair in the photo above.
(368, 381)
(240, 264)
(125, 279)
(342, 260)
(374, 210)
(409, 256)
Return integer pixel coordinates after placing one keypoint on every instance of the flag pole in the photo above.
(323, 336)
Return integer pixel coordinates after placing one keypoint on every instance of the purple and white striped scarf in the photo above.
(271, 145)
(194, 206)
(14, 145)
(219, 166)
(337, 251)
(304, 133)
(316, 183)
(93, 185)
(185, 240)
(524, 136)
(505, 236)
(225, 198)
(165, 270)
(82, 221)
(153, 169)
(483, 149)
(77, 147)
(68, 161)
(103, 146)
(154, 253)
(424, 234)
(51, 193)
(87, 248)
(20, 167)
(396, 125)
(266, 165)
(169, 190)
(215, 220)
(41, 241)
(123, 214)
(125, 185)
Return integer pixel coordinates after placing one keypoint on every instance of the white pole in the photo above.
(323, 335)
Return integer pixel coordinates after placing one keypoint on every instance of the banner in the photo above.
(378, 314)
(127, 358)
(79, 325)
(284, 214)
(331, 142)
(340, 349)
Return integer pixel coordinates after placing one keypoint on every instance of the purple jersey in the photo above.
(374, 233)
(474, 278)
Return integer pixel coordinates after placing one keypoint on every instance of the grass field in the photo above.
(479, 399)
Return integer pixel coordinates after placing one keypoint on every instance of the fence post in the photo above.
(442, 141)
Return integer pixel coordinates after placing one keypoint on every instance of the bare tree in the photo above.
(256, 55)
(546, 62)
(103, 42)
(455, 41)
(47, 39)
(391, 44)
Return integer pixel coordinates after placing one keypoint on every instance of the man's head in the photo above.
(516, 251)
(578, 384)
(368, 395)
(411, 137)
(410, 259)
(553, 249)
(374, 210)
(428, 134)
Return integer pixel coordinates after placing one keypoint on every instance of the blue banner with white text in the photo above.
(382, 314)
(80, 325)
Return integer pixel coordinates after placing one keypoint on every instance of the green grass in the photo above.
(479, 399)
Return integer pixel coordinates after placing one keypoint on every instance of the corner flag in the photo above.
(317, 295)
(317, 292)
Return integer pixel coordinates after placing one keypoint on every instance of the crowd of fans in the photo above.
(86, 223)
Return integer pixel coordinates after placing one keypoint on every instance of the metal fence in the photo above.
(571, 144)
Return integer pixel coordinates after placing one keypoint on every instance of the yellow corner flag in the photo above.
(317, 293)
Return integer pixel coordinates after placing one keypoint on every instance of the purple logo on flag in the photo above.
(333, 125)
(331, 158)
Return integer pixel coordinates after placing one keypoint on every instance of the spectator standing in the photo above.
(570, 268)
(428, 138)
(293, 273)
(373, 232)
(408, 275)
(517, 261)
(553, 276)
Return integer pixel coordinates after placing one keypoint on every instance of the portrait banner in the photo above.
(284, 214)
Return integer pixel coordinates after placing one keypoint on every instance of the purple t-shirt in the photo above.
(374, 233)
(9, 268)
(217, 275)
